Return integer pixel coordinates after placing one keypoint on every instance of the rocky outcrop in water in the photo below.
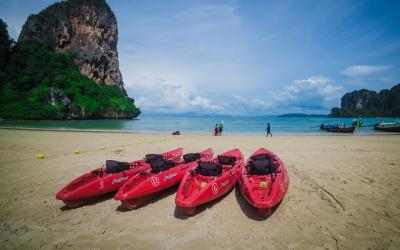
(366, 103)
(88, 27)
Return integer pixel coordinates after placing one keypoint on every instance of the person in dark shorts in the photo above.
(221, 127)
(268, 129)
(216, 130)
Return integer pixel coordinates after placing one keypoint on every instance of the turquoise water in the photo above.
(202, 124)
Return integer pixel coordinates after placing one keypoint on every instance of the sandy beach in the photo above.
(344, 194)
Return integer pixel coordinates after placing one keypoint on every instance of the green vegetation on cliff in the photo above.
(38, 83)
(366, 103)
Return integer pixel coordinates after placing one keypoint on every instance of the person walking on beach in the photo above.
(268, 129)
(216, 130)
(221, 127)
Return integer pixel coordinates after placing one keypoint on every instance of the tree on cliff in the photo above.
(5, 49)
(64, 65)
(366, 103)
(41, 83)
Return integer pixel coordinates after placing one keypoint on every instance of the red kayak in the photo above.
(264, 181)
(209, 180)
(108, 178)
(147, 184)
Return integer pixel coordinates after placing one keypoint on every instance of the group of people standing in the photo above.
(218, 129)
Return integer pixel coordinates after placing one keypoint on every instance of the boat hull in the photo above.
(94, 184)
(196, 189)
(264, 192)
(388, 129)
(146, 185)
(335, 129)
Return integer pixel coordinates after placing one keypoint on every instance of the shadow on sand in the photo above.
(248, 209)
(200, 208)
(158, 196)
(91, 201)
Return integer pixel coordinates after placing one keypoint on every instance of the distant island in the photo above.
(300, 115)
(64, 65)
(367, 103)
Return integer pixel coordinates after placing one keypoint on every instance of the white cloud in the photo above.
(253, 103)
(158, 96)
(316, 92)
(360, 70)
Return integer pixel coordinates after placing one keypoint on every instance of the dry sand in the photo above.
(344, 193)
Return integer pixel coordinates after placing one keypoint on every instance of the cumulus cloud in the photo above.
(361, 70)
(253, 103)
(160, 96)
(314, 94)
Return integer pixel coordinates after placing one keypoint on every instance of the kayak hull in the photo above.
(264, 192)
(196, 189)
(92, 185)
(144, 186)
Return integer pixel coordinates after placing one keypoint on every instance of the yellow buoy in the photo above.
(40, 156)
(102, 148)
(77, 151)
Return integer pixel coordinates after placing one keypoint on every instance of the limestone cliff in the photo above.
(368, 103)
(88, 27)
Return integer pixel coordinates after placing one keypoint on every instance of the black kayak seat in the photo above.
(191, 157)
(261, 157)
(153, 157)
(116, 166)
(209, 168)
(161, 165)
(226, 160)
(262, 167)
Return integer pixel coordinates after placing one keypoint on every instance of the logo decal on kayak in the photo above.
(214, 188)
(120, 179)
(101, 185)
(263, 184)
(223, 184)
(170, 176)
(155, 181)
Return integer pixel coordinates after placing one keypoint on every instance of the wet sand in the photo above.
(344, 193)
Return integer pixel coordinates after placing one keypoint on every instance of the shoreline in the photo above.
(322, 133)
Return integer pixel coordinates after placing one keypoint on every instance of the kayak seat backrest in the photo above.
(191, 157)
(209, 168)
(261, 167)
(153, 157)
(116, 166)
(226, 160)
(161, 165)
(260, 157)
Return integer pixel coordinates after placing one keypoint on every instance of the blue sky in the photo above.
(247, 57)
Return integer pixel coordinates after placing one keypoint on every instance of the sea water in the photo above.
(202, 124)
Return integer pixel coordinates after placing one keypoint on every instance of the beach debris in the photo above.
(139, 142)
(123, 145)
(176, 132)
(102, 148)
(40, 156)
(77, 152)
